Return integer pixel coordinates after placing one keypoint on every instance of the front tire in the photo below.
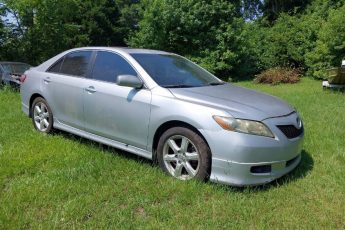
(42, 116)
(184, 154)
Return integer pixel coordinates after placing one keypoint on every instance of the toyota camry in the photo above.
(163, 107)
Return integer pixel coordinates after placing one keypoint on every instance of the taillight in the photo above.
(22, 78)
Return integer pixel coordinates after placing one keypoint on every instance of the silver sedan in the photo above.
(164, 107)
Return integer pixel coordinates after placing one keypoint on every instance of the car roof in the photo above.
(11, 62)
(142, 51)
(124, 49)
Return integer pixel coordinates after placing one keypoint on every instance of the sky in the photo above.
(9, 18)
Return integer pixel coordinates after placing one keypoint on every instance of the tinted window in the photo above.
(56, 67)
(174, 71)
(20, 68)
(17, 68)
(108, 66)
(7, 68)
(76, 63)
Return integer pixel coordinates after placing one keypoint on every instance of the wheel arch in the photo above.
(171, 124)
(32, 98)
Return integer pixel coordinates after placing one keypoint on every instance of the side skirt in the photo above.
(103, 140)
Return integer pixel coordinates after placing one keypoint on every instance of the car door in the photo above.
(112, 111)
(63, 85)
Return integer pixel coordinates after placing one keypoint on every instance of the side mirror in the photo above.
(129, 81)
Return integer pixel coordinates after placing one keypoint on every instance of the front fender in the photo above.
(165, 109)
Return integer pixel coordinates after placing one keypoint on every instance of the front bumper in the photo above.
(241, 159)
(240, 174)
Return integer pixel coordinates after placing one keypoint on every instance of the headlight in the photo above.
(243, 126)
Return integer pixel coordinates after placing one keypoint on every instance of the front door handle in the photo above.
(91, 89)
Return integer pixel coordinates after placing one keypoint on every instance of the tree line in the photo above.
(236, 39)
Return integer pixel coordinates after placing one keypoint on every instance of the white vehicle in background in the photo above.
(336, 78)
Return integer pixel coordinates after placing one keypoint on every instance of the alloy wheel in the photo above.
(41, 117)
(181, 157)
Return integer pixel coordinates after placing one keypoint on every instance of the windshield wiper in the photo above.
(178, 86)
(217, 83)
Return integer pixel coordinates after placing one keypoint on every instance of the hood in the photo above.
(238, 101)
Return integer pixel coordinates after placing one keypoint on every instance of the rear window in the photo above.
(75, 64)
(56, 67)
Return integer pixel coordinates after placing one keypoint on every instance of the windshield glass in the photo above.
(15, 68)
(172, 71)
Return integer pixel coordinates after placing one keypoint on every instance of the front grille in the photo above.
(290, 131)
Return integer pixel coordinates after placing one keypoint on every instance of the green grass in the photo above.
(63, 181)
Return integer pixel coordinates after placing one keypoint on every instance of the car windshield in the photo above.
(172, 71)
(15, 68)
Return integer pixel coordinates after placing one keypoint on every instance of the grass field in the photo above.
(63, 181)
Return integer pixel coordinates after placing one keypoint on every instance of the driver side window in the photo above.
(108, 66)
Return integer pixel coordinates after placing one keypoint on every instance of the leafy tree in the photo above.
(330, 46)
(230, 38)
(46, 27)
(291, 40)
(2, 29)
(251, 9)
(273, 8)
(206, 31)
(285, 43)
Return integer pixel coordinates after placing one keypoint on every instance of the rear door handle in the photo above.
(90, 89)
(47, 80)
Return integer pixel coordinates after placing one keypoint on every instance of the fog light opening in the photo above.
(261, 169)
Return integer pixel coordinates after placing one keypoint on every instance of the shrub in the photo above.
(285, 43)
(276, 76)
(207, 32)
(330, 46)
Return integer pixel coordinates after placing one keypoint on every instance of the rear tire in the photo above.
(184, 154)
(42, 116)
